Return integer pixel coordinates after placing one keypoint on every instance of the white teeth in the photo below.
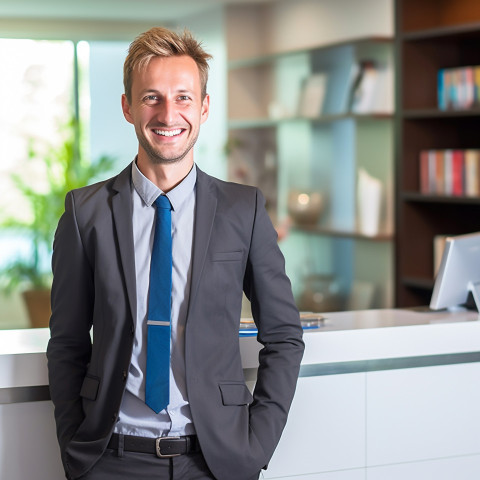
(168, 133)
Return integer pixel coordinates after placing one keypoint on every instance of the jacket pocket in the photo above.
(227, 256)
(89, 388)
(235, 394)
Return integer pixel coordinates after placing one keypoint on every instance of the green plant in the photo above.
(64, 170)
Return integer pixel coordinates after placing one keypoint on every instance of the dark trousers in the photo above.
(143, 466)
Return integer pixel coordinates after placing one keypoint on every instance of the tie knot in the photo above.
(163, 202)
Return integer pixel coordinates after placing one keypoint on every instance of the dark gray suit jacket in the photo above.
(235, 249)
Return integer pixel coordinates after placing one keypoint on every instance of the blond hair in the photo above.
(162, 42)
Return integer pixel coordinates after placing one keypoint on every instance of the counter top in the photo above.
(365, 335)
(353, 336)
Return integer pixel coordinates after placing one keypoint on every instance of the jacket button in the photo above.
(124, 374)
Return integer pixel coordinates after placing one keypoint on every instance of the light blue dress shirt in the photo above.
(135, 417)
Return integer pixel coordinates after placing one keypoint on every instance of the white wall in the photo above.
(286, 25)
(304, 23)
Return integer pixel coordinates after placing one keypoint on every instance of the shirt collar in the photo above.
(149, 192)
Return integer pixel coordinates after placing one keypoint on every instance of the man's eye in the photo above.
(184, 98)
(150, 99)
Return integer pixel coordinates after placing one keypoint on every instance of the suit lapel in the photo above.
(205, 208)
(122, 215)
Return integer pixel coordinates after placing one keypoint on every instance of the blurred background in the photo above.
(302, 102)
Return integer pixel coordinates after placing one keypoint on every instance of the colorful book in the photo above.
(472, 173)
(476, 76)
(442, 104)
(469, 88)
(448, 163)
(450, 172)
(432, 171)
(439, 173)
(458, 88)
(457, 172)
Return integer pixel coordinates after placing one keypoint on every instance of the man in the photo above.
(222, 243)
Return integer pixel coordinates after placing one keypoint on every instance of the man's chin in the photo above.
(162, 160)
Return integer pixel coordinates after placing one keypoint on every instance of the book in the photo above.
(458, 88)
(454, 89)
(457, 172)
(447, 169)
(363, 99)
(441, 96)
(448, 88)
(384, 97)
(472, 173)
(468, 88)
(432, 171)
(439, 172)
(312, 95)
(476, 81)
(352, 84)
(308, 320)
(449, 172)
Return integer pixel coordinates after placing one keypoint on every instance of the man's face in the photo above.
(166, 108)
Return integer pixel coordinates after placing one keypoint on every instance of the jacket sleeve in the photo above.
(69, 348)
(279, 331)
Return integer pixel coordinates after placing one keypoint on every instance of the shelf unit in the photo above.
(271, 146)
(430, 35)
(326, 231)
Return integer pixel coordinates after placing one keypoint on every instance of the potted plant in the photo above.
(64, 169)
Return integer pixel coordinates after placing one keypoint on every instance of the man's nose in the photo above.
(166, 112)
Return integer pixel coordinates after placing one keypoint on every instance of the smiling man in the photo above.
(166, 105)
(155, 261)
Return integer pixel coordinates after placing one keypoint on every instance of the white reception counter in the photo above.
(382, 394)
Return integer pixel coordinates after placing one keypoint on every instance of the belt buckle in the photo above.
(158, 441)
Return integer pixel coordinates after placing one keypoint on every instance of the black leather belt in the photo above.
(163, 447)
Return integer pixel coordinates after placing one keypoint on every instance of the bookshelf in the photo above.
(430, 35)
(272, 145)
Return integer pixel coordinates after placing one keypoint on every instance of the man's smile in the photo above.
(168, 133)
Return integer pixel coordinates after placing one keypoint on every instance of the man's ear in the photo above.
(205, 108)
(126, 109)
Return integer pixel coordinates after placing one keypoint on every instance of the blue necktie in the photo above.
(159, 309)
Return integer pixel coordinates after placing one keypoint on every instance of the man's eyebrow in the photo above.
(149, 90)
(157, 92)
(184, 90)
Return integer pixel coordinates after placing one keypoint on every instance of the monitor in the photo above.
(458, 274)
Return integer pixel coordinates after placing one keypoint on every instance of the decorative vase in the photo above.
(305, 208)
(38, 307)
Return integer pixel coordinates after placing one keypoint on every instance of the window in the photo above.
(36, 97)
(46, 88)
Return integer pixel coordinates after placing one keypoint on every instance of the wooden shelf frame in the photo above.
(454, 199)
(430, 35)
(240, 124)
